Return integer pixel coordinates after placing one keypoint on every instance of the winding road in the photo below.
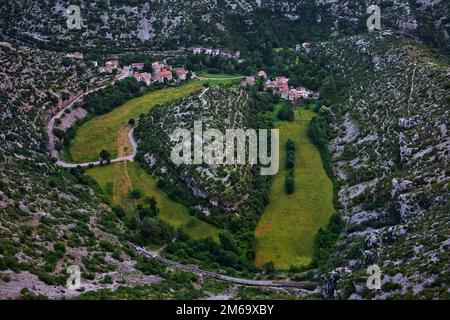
(51, 138)
(143, 251)
(200, 272)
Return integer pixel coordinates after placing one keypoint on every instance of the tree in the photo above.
(131, 122)
(290, 160)
(286, 113)
(227, 241)
(118, 210)
(105, 155)
(134, 194)
(289, 184)
(269, 268)
(59, 133)
(155, 231)
(290, 145)
(328, 86)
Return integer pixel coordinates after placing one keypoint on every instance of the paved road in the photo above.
(51, 137)
(200, 272)
(97, 163)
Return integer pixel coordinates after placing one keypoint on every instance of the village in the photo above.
(162, 72)
(281, 87)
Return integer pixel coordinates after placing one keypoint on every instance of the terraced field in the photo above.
(117, 179)
(286, 232)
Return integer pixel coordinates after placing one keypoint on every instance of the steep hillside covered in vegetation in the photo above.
(386, 127)
(241, 24)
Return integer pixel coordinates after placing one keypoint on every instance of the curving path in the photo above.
(200, 272)
(97, 163)
(51, 138)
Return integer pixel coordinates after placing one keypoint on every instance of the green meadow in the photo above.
(205, 74)
(287, 229)
(102, 131)
(117, 179)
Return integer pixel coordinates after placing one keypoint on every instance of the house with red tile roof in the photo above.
(112, 63)
(138, 65)
(144, 77)
(159, 66)
(181, 73)
(262, 74)
(166, 74)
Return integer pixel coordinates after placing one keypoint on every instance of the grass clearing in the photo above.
(117, 179)
(102, 131)
(206, 74)
(287, 230)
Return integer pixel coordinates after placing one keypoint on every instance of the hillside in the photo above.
(244, 24)
(217, 193)
(372, 158)
(390, 147)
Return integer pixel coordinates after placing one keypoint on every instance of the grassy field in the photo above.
(117, 179)
(286, 231)
(205, 74)
(102, 132)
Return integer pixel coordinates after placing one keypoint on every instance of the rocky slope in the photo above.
(216, 192)
(49, 218)
(123, 24)
(391, 152)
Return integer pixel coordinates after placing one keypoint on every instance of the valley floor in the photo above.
(102, 132)
(117, 179)
(287, 230)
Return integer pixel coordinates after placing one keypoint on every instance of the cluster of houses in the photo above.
(216, 52)
(161, 71)
(281, 86)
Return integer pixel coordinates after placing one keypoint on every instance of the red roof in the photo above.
(165, 73)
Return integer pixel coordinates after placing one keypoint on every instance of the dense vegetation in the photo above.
(104, 100)
(289, 183)
(301, 68)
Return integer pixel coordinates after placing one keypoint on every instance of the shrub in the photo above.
(286, 113)
(134, 194)
(58, 133)
(290, 145)
(290, 160)
(118, 210)
(289, 184)
(105, 155)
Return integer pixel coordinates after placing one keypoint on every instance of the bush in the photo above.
(58, 133)
(214, 71)
(290, 145)
(134, 194)
(118, 210)
(289, 184)
(286, 113)
(290, 160)
(105, 155)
